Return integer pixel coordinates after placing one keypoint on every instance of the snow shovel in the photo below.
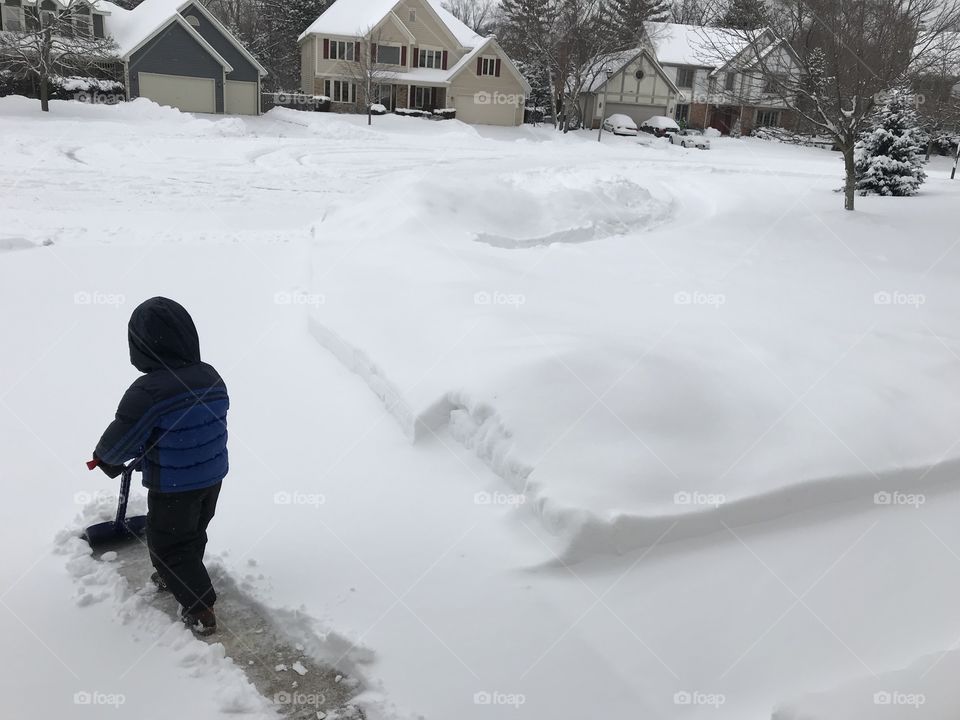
(123, 528)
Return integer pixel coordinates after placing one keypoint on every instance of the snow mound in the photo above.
(15, 243)
(924, 690)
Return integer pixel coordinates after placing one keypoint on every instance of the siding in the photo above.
(174, 52)
(243, 69)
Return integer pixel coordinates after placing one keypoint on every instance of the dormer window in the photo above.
(193, 20)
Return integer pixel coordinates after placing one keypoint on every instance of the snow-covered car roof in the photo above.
(661, 122)
(621, 120)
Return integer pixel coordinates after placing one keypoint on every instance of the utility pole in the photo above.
(609, 73)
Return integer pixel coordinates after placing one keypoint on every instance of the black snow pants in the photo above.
(177, 537)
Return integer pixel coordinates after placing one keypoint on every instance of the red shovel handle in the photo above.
(92, 464)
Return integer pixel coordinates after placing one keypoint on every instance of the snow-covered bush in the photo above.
(378, 109)
(890, 154)
(412, 112)
(445, 113)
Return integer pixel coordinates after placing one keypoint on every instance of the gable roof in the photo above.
(350, 17)
(619, 60)
(709, 47)
(130, 29)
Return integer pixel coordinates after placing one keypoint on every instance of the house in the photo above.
(716, 71)
(174, 52)
(424, 57)
(637, 87)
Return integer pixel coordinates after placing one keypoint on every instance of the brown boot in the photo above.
(203, 622)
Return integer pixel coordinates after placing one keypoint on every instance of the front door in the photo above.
(723, 119)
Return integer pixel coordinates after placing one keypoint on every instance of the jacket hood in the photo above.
(161, 334)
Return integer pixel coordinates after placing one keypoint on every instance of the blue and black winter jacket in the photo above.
(175, 415)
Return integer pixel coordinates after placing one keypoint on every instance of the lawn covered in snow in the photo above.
(522, 425)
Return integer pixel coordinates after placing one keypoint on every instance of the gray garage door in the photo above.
(639, 113)
(491, 110)
(240, 98)
(189, 94)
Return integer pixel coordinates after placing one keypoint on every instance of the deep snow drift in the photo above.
(422, 320)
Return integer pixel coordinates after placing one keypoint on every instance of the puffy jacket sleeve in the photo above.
(125, 437)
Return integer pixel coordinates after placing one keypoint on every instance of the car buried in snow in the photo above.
(691, 139)
(660, 126)
(620, 125)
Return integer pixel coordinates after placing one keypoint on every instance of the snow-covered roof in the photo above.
(353, 17)
(677, 44)
(131, 28)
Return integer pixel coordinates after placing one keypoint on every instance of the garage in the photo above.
(190, 94)
(240, 98)
(486, 111)
(639, 113)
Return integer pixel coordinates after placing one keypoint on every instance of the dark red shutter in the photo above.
(356, 51)
(416, 58)
(373, 52)
(403, 55)
(444, 59)
(326, 48)
(497, 70)
(479, 66)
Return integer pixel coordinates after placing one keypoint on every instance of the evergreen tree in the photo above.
(628, 18)
(276, 25)
(745, 15)
(889, 155)
(523, 25)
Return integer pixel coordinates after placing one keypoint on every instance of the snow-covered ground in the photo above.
(529, 426)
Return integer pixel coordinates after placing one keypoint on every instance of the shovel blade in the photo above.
(111, 532)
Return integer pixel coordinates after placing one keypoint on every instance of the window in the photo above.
(12, 15)
(682, 114)
(768, 118)
(48, 14)
(773, 84)
(431, 59)
(424, 98)
(388, 54)
(81, 20)
(98, 26)
(413, 15)
(339, 91)
(340, 50)
(685, 77)
(488, 66)
(192, 20)
(731, 80)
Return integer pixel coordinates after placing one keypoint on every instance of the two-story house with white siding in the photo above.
(426, 59)
(715, 72)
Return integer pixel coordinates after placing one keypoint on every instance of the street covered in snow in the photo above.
(522, 424)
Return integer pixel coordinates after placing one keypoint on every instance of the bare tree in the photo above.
(365, 71)
(55, 38)
(935, 76)
(475, 14)
(845, 55)
(694, 12)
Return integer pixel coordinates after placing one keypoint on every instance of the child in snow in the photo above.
(173, 420)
